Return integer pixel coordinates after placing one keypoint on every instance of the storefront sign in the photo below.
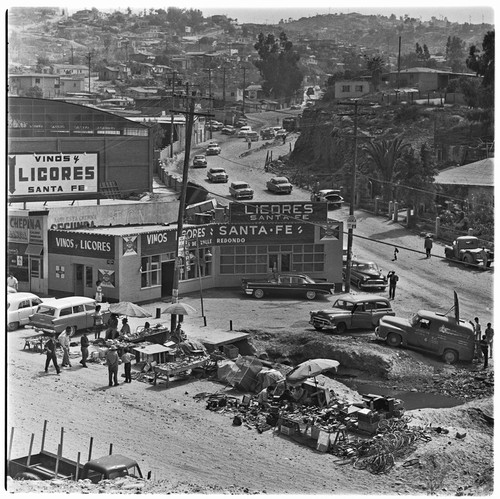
(17, 229)
(156, 243)
(278, 212)
(81, 244)
(107, 278)
(41, 174)
(129, 245)
(35, 230)
(259, 233)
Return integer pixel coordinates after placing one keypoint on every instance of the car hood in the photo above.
(369, 273)
(331, 312)
(395, 322)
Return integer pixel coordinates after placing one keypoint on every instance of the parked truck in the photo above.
(468, 250)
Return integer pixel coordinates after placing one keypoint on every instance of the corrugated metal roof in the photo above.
(479, 173)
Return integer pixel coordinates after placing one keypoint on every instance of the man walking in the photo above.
(428, 245)
(489, 336)
(393, 280)
(112, 361)
(84, 346)
(64, 341)
(484, 349)
(50, 351)
(477, 337)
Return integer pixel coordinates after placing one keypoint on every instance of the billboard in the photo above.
(292, 211)
(40, 175)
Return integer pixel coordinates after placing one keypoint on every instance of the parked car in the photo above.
(217, 175)
(468, 250)
(352, 312)
(279, 185)
(280, 133)
(228, 130)
(430, 332)
(295, 106)
(19, 308)
(214, 125)
(212, 150)
(367, 275)
(240, 190)
(252, 135)
(76, 312)
(330, 196)
(287, 284)
(199, 161)
(241, 122)
(267, 133)
(242, 132)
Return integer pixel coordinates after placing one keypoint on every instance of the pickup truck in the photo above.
(287, 284)
(467, 249)
(43, 466)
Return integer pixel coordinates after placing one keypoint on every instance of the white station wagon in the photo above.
(19, 308)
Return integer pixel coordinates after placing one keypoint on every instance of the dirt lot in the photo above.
(192, 450)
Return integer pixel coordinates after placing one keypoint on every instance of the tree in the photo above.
(35, 92)
(455, 53)
(483, 63)
(278, 66)
(376, 66)
(384, 155)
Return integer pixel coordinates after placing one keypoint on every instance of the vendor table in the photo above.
(166, 370)
(35, 341)
(158, 353)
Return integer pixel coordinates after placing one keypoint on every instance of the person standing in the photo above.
(428, 245)
(12, 282)
(127, 365)
(112, 361)
(64, 341)
(125, 330)
(393, 281)
(50, 351)
(112, 331)
(84, 347)
(98, 292)
(97, 322)
(484, 349)
(489, 336)
(477, 337)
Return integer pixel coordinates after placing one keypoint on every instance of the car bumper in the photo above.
(373, 285)
(318, 321)
(218, 179)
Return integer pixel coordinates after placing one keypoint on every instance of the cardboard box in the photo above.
(231, 351)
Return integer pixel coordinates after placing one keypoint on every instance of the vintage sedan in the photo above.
(213, 149)
(200, 161)
(217, 175)
(367, 275)
(352, 312)
(331, 196)
(240, 190)
(287, 284)
(228, 130)
(19, 308)
(279, 185)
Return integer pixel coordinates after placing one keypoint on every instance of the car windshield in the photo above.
(218, 170)
(364, 266)
(344, 304)
(280, 181)
(43, 309)
(199, 157)
(414, 319)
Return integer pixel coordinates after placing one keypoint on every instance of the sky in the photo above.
(262, 11)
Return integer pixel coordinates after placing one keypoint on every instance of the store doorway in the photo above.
(79, 279)
(280, 262)
(36, 275)
(167, 277)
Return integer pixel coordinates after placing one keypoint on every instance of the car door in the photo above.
(79, 316)
(34, 302)
(422, 335)
(24, 310)
(89, 315)
(380, 308)
(362, 316)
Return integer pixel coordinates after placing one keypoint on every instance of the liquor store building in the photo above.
(137, 263)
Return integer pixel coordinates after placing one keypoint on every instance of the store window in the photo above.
(89, 282)
(198, 263)
(150, 271)
(36, 268)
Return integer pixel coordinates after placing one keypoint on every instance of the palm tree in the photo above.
(384, 154)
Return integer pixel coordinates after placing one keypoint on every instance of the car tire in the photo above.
(318, 328)
(450, 356)
(12, 326)
(310, 295)
(341, 327)
(468, 260)
(258, 293)
(393, 340)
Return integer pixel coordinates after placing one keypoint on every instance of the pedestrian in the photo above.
(396, 251)
(484, 350)
(12, 282)
(84, 347)
(249, 142)
(393, 280)
(64, 341)
(125, 330)
(98, 292)
(428, 245)
(477, 337)
(127, 365)
(97, 322)
(112, 331)
(489, 336)
(50, 350)
(284, 138)
(112, 361)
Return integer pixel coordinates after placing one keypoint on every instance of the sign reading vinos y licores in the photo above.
(39, 175)
(81, 244)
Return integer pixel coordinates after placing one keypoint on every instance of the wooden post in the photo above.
(90, 448)
(77, 466)
(62, 438)
(10, 442)
(31, 449)
(59, 452)
(110, 449)
(43, 434)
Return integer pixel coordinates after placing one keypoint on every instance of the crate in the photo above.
(230, 351)
(286, 430)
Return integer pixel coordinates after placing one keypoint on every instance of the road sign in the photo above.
(351, 222)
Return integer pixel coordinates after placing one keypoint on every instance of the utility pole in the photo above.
(190, 114)
(244, 86)
(210, 96)
(224, 86)
(172, 119)
(89, 58)
(399, 63)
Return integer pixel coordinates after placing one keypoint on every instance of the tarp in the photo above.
(226, 370)
(192, 346)
(268, 377)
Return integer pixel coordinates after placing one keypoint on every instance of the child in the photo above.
(127, 364)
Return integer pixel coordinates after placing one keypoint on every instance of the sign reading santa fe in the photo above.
(58, 173)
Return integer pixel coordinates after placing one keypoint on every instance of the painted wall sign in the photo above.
(278, 212)
(58, 173)
(81, 244)
(156, 243)
(36, 230)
